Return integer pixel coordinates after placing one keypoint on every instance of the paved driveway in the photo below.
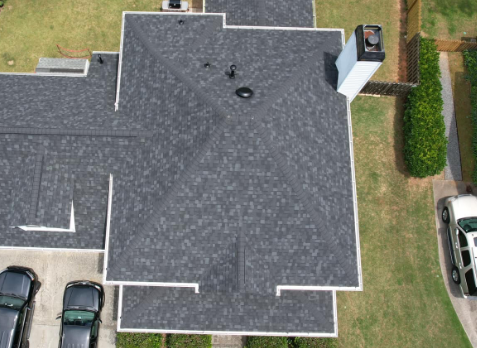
(54, 270)
(466, 309)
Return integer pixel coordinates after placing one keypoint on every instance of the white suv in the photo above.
(460, 213)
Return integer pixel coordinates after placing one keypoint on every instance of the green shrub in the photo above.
(189, 341)
(1, 3)
(313, 342)
(266, 342)
(425, 143)
(470, 59)
(135, 340)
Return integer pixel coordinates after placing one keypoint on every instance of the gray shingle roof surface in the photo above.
(182, 309)
(243, 194)
(274, 13)
(237, 195)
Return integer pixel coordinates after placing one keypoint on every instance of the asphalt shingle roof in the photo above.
(274, 13)
(182, 309)
(236, 195)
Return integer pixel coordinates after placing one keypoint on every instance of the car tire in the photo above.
(455, 275)
(445, 215)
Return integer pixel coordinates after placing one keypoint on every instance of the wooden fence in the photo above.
(455, 45)
(414, 19)
(413, 51)
(398, 89)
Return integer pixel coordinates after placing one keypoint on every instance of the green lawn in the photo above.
(30, 29)
(449, 19)
(404, 302)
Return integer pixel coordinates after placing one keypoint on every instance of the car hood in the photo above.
(15, 283)
(81, 296)
(465, 207)
(76, 336)
(8, 321)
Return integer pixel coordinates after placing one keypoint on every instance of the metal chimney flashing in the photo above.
(366, 53)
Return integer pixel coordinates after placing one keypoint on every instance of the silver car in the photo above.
(460, 213)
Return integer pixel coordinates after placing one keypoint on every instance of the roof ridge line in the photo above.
(284, 87)
(171, 193)
(302, 195)
(175, 71)
(75, 132)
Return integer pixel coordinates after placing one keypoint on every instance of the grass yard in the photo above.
(463, 108)
(404, 302)
(30, 29)
(349, 14)
(449, 19)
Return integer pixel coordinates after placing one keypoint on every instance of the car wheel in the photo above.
(445, 215)
(455, 275)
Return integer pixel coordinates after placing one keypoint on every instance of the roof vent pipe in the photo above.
(359, 60)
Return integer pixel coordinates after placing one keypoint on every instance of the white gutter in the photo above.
(108, 227)
(51, 249)
(195, 286)
(37, 228)
(118, 85)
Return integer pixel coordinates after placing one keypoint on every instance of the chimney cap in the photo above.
(369, 43)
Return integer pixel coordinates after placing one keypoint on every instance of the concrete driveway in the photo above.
(466, 309)
(55, 269)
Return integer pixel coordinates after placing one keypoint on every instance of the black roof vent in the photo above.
(181, 22)
(369, 43)
(244, 92)
(231, 73)
(207, 65)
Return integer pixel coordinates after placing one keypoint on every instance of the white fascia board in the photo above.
(108, 227)
(118, 85)
(281, 288)
(355, 196)
(35, 228)
(44, 74)
(51, 249)
(105, 52)
(195, 286)
(120, 307)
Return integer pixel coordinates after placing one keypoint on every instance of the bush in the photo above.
(189, 341)
(134, 340)
(1, 3)
(425, 143)
(313, 342)
(470, 59)
(266, 342)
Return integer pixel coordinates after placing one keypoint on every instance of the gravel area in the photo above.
(453, 170)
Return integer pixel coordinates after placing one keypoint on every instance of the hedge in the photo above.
(425, 143)
(189, 341)
(470, 59)
(135, 340)
(266, 342)
(312, 342)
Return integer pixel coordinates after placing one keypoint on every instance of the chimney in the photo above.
(359, 60)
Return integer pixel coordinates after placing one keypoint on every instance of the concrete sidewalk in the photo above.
(466, 309)
(55, 269)
(453, 170)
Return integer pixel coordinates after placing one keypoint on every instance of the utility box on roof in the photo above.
(359, 60)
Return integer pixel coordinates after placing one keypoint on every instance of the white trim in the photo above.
(235, 333)
(37, 228)
(51, 249)
(355, 196)
(203, 6)
(314, 13)
(195, 286)
(44, 74)
(118, 85)
(108, 227)
(281, 288)
(120, 307)
(104, 52)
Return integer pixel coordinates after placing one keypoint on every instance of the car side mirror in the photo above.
(100, 321)
(58, 317)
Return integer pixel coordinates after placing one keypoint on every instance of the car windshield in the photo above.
(79, 318)
(11, 302)
(468, 225)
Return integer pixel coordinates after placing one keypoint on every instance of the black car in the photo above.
(18, 287)
(82, 304)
